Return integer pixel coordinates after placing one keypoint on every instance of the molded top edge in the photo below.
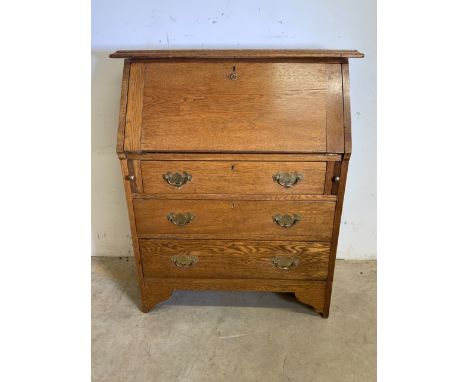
(238, 53)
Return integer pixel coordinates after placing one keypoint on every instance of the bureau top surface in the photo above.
(239, 53)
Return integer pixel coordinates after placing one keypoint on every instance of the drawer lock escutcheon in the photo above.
(233, 75)
(184, 261)
(287, 179)
(286, 221)
(177, 180)
(285, 263)
(180, 219)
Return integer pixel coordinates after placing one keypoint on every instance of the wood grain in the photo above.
(213, 156)
(346, 112)
(274, 107)
(309, 292)
(335, 136)
(131, 173)
(123, 107)
(317, 198)
(134, 107)
(238, 53)
(229, 259)
(131, 219)
(223, 177)
(312, 297)
(235, 219)
(138, 176)
(328, 178)
(288, 110)
(154, 295)
(336, 232)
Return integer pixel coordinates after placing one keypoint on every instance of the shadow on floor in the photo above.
(122, 273)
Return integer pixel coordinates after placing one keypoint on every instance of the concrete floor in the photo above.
(227, 336)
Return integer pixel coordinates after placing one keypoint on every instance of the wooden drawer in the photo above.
(234, 219)
(198, 106)
(224, 259)
(231, 177)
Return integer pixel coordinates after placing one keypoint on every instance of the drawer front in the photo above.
(235, 219)
(224, 259)
(199, 106)
(230, 177)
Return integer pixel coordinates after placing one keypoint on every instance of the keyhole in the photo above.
(233, 75)
(233, 167)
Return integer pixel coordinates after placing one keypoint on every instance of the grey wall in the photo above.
(178, 24)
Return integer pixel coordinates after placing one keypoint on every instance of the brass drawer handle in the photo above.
(180, 219)
(286, 221)
(177, 180)
(184, 261)
(285, 263)
(287, 179)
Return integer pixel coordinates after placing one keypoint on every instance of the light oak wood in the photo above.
(245, 157)
(131, 218)
(272, 107)
(309, 292)
(336, 232)
(329, 178)
(335, 136)
(317, 198)
(313, 297)
(154, 295)
(138, 176)
(286, 110)
(134, 107)
(123, 107)
(346, 111)
(238, 53)
(228, 177)
(234, 219)
(233, 259)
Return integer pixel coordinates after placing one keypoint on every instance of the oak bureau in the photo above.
(234, 165)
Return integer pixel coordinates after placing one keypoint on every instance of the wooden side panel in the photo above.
(222, 259)
(346, 111)
(335, 134)
(134, 107)
(328, 178)
(234, 219)
(123, 107)
(336, 232)
(138, 176)
(269, 107)
(223, 177)
(131, 218)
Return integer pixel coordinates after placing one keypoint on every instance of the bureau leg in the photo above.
(315, 298)
(152, 297)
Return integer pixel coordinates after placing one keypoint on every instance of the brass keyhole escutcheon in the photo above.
(233, 75)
